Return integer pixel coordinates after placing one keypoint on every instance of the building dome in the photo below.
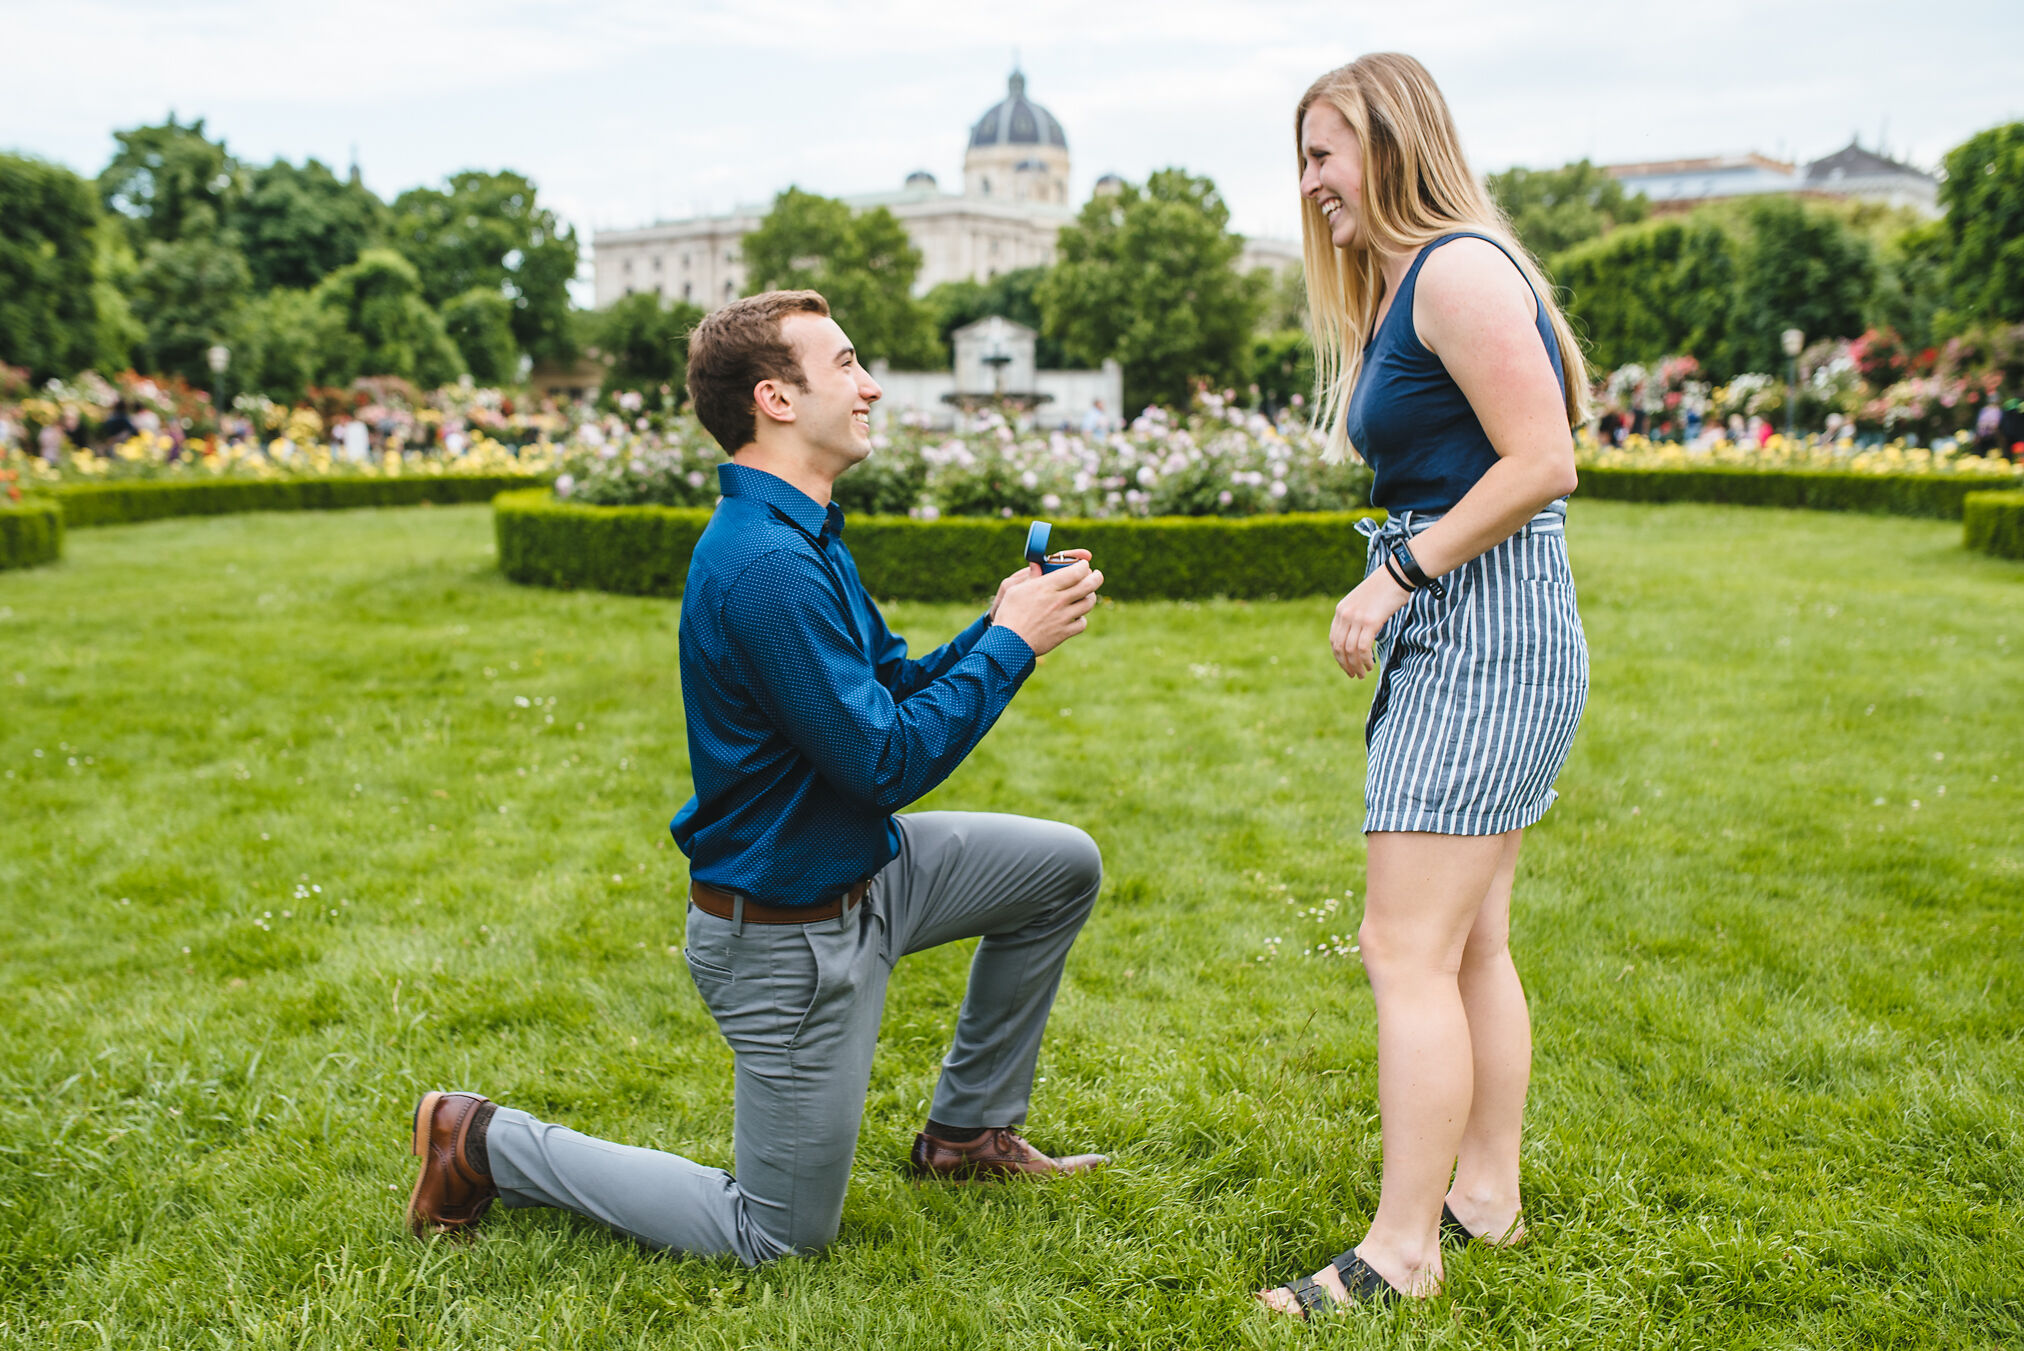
(922, 180)
(1017, 120)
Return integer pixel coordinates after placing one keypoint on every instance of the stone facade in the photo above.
(1014, 201)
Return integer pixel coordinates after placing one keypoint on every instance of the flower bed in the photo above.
(644, 550)
(1994, 523)
(1218, 461)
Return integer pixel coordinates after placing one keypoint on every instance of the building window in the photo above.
(685, 262)
(730, 293)
(628, 267)
(657, 262)
(688, 291)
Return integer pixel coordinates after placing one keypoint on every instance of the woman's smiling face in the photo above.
(1331, 172)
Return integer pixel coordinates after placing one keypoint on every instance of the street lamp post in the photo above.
(218, 356)
(1792, 340)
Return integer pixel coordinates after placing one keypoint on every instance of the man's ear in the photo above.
(772, 400)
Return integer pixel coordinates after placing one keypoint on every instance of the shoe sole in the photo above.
(418, 1145)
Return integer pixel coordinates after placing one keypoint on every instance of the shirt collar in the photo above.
(800, 510)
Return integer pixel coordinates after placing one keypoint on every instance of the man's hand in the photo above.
(1030, 570)
(1047, 609)
(1358, 618)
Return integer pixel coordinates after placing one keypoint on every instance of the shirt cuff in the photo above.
(1007, 649)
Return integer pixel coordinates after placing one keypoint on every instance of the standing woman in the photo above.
(1445, 363)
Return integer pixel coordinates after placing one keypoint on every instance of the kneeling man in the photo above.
(808, 728)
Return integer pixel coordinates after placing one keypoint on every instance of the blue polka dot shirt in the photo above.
(808, 725)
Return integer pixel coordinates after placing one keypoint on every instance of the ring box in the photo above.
(1036, 549)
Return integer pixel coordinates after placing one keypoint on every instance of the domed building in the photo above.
(1018, 152)
(1014, 201)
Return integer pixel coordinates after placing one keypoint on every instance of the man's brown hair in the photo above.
(735, 348)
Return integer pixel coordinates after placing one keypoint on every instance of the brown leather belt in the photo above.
(723, 905)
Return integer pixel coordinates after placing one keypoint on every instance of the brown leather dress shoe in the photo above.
(999, 1152)
(450, 1194)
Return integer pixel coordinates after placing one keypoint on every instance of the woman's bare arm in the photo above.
(1473, 310)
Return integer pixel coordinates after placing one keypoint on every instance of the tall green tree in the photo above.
(480, 323)
(169, 182)
(1554, 209)
(863, 263)
(50, 251)
(278, 345)
(1911, 282)
(376, 321)
(490, 231)
(1799, 268)
(299, 225)
(1983, 196)
(1145, 275)
(1014, 295)
(646, 343)
(1649, 290)
(187, 294)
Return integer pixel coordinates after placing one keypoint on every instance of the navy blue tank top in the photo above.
(1409, 419)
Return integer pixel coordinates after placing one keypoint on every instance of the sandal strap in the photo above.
(1362, 1280)
(1312, 1296)
(1452, 1228)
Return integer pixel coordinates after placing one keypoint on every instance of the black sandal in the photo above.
(1454, 1231)
(1359, 1278)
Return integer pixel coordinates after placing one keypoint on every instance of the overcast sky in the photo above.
(625, 111)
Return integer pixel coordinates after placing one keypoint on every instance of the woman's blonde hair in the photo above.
(1416, 187)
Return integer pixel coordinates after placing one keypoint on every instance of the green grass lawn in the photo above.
(304, 815)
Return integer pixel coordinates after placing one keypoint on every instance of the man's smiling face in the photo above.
(834, 413)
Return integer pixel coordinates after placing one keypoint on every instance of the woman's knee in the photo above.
(1394, 948)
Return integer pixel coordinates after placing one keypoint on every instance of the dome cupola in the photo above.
(1017, 120)
(1018, 151)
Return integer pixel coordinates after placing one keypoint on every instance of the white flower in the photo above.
(1050, 502)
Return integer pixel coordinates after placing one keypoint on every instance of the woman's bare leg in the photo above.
(1485, 1196)
(1424, 895)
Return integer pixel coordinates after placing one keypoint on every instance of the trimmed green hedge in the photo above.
(1994, 523)
(1935, 495)
(30, 533)
(89, 504)
(644, 551)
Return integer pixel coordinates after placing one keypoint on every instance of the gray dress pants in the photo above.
(800, 1006)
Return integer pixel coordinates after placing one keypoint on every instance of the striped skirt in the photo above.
(1480, 690)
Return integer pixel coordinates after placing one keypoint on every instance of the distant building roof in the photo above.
(1694, 180)
(1852, 161)
(1677, 184)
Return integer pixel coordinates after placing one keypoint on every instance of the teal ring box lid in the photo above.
(1036, 548)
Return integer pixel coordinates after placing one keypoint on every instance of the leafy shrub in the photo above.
(1994, 523)
(31, 532)
(1935, 495)
(645, 551)
(89, 504)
